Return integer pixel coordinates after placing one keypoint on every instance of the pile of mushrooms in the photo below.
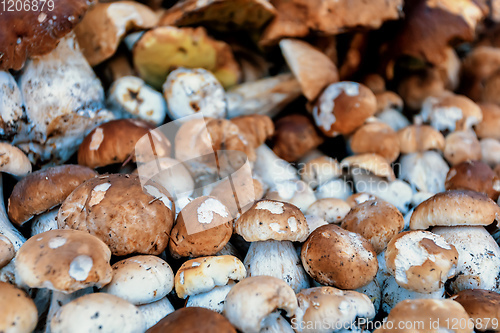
(250, 166)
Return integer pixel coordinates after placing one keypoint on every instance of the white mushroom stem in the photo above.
(59, 299)
(278, 259)
(156, 311)
(213, 299)
(11, 104)
(44, 222)
(275, 323)
(7, 273)
(272, 169)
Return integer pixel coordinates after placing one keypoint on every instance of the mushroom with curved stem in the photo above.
(12, 161)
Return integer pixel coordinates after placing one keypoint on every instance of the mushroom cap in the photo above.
(421, 261)
(332, 307)
(483, 306)
(313, 69)
(294, 136)
(419, 138)
(18, 312)
(475, 176)
(13, 161)
(490, 152)
(488, 127)
(241, 185)
(320, 170)
(45, 189)
(28, 33)
(272, 220)
(115, 141)
(63, 260)
(7, 251)
(359, 198)
(454, 208)
(141, 279)
(252, 299)
(375, 82)
(378, 138)
(203, 227)
(105, 24)
(98, 312)
(332, 210)
(462, 146)
(415, 88)
(334, 256)
(373, 163)
(105, 205)
(432, 316)
(193, 320)
(200, 275)
(377, 221)
(388, 100)
(343, 107)
(481, 63)
(425, 171)
(295, 192)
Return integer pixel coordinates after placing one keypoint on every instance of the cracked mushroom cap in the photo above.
(377, 138)
(462, 146)
(488, 127)
(193, 320)
(128, 217)
(377, 220)
(203, 227)
(272, 220)
(332, 210)
(474, 176)
(421, 261)
(320, 170)
(141, 279)
(432, 316)
(450, 112)
(253, 299)
(337, 257)
(7, 251)
(200, 275)
(63, 260)
(454, 208)
(483, 306)
(45, 189)
(105, 24)
(343, 107)
(98, 312)
(33, 32)
(294, 136)
(419, 138)
(18, 312)
(117, 140)
(332, 308)
(372, 163)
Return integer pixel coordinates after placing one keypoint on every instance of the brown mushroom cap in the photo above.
(332, 210)
(432, 316)
(378, 221)
(358, 198)
(294, 136)
(388, 100)
(488, 127)
(462, 146)
(44, 189)
(481, 63)
(373, 163)
(119, 211)
(475, 176)
(454, 208)
(418, 138)
(25, 33)
(483, 306)
(375, 82)
(415, 88)
(336, 257)
(64, 260)
(7, 251)
(203, 228)
(343, 107)
(18, 312)
(193, 320)
(272, 220)
(115, 141)
(421, 261)
(320, 170)
(378, 138)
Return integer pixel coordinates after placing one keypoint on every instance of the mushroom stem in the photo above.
(44, 222)
(59, 299)
(154, 312)
(7, 273)
(278, 259)
(275, 323)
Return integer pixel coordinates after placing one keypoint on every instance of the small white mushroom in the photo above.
(131, 97)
